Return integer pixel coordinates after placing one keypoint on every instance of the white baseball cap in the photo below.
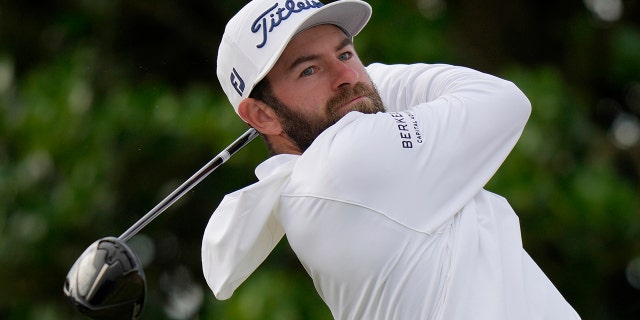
(255, 37)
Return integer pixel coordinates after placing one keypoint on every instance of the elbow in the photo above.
(523, 104)
(216, 278)
(517, 104)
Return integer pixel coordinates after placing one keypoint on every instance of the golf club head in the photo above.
(107, 281)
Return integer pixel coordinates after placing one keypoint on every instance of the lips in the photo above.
(348, 97)
(356, 99)
(353, 101)
(349, 105)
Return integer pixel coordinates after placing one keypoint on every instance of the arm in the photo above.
(457, 128)
(240, 235)
(403, 86)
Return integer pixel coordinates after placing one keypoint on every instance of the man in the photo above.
(385, 209)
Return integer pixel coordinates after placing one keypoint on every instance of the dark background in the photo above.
(107, 106)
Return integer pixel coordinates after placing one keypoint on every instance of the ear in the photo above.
(260, 116)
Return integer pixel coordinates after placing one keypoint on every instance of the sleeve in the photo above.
(403, 86)
(240, 235)
(448, 131)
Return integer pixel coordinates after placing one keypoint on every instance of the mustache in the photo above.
(345, 95)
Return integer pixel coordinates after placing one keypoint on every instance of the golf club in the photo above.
(107, 281)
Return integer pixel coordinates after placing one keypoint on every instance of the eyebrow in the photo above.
(300, 60)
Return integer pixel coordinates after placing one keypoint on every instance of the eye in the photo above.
(307, 72)
(345, 56)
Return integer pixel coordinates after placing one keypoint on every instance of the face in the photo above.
(317, 80)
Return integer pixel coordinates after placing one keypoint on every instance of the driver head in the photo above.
(107, 281)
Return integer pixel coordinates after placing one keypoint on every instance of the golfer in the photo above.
(376, 176)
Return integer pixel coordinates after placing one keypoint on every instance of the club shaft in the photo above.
(214, 163)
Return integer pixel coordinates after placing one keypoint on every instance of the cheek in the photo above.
(307, 99)
(293, 98)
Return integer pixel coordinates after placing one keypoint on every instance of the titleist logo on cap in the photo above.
(277, 15)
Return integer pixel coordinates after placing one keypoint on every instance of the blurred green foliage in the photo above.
(107, 106)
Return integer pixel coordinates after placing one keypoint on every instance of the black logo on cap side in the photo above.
(237, 82)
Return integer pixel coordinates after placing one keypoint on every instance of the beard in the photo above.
(303, 128)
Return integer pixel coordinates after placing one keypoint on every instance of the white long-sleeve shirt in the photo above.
(387, 212)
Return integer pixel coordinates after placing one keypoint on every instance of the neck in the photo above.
(282, 144)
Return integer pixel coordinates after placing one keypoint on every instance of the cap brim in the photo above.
(351, 16)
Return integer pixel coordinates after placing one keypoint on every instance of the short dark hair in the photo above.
(261, 90)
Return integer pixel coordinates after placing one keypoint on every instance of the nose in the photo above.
(344, 75)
